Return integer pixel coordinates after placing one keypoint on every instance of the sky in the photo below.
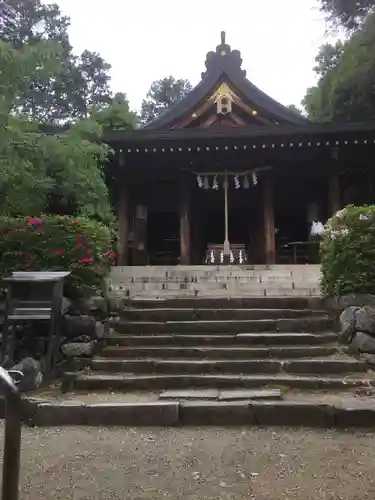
(145, 40)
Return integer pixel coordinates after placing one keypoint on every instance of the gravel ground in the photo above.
(204, 464)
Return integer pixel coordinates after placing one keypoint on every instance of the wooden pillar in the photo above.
(334, 201)
(123, 230)
(185, 229)
(269, 221)
(140, 257)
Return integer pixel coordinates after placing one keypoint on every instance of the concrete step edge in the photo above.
(207, 351)
(126, 381)
(174, 413)
(313, 319)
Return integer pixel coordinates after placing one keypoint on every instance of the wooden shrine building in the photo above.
(228, 175)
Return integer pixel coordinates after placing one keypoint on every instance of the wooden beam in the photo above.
(185, 229)
(269, 221)
(123, 229)
(334, 194)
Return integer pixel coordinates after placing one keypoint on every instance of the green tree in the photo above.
(349, 14)
(345, 88)
(295, 109)
(58, 173)
(81, 82)
(162, 95)
(328, 58)
(116, 115)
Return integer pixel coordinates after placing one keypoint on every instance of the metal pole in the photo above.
(226, 241)
(12, 438)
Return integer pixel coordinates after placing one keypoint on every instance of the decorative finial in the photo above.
(223, 35)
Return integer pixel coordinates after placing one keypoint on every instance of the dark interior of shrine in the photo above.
(292, 197)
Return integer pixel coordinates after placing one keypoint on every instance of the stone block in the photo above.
(207, 394)
(59, 414)
(216, 413)
(362, 343)
(243, 394)
(365, 320)
(159, 413)
(355, 414)
(293, 413)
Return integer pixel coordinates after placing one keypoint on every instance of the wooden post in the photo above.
(269, 221)
(334, 194)
(123, 234)
(185, 230)
(140, 257)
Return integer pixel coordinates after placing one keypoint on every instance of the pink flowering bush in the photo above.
(348, 252)
(57, 243)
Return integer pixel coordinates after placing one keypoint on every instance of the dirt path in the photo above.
(204, 464)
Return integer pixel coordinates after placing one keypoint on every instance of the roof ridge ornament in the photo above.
(223, 51)
(223, 35)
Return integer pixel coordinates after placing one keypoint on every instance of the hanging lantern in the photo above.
(199, 181)
(206, 184)
(215, 184)
(246, 183)
(254, 179)
(237, 184)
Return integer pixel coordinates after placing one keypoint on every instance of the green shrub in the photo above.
(348, 252)
(56, 243)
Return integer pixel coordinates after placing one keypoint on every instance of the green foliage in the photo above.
(40, 172)
(116, 115)
(349, 14)
(78, 82)
(295, 109)
(162, 95)
(345, 89)
(19, 68)
(61, 174)
(54, 243)
(348, 252)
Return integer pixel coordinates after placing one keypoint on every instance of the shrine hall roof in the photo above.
(224, 66)
(306, 131)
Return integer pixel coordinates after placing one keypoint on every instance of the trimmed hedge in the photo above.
(348, 252)
(57, 243)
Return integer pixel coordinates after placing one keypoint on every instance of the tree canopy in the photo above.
(53, 108)
(346, 74)
(78, 84)
(349, 14)
(59, 173)
(162, 95)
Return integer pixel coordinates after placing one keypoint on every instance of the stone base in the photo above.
(173, 413)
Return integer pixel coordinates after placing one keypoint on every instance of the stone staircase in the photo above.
(200, 345)
(152, 282)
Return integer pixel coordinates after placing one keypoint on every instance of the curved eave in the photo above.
(234, 76)
(232, 133)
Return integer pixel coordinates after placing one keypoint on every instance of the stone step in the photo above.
(216, 283)
(174, 314)
(224, 290)
(218, 293)
(262, 366)
(348, 413)
(211, 339)
(227, 352)
(294, 303)
(182, 273)
(308, 324)
(217, 395)
(127, 382)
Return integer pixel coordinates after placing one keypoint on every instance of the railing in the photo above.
(12, 434)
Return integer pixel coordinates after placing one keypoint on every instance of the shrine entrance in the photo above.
(227, 213)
